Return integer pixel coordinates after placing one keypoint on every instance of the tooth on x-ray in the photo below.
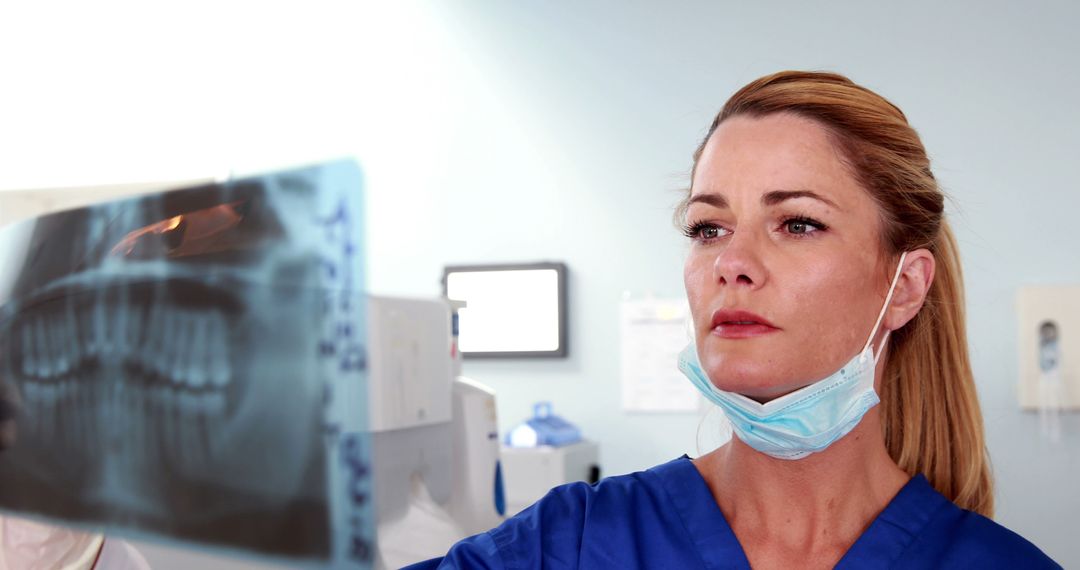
(168, 356)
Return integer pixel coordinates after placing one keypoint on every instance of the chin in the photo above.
(747, 379)
(750, 366)
(746, 372)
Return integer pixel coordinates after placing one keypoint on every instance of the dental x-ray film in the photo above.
(192, 365)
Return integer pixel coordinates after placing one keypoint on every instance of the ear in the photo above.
(916, 276)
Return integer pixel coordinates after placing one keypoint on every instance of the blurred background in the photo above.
(502, 132)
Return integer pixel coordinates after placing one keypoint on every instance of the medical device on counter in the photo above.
(544, 428)
(542, 452)
(434, 435)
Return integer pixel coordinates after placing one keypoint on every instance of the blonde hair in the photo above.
(929, 409)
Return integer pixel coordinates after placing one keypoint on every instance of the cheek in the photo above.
(816, 298)
(696, 272)
(827, 309)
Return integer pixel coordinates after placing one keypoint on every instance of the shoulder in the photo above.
(614, 492)
(572, 513)
(622, 521)
(993, 542)
(976, 541)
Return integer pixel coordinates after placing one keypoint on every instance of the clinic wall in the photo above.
(571, 127)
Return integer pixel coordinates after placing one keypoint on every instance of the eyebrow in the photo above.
(769, 198)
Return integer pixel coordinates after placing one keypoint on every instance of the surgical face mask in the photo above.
(809, 419)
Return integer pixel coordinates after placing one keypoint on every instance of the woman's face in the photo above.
(782, 230)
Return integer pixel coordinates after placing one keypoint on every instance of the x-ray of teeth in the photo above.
(191, 364)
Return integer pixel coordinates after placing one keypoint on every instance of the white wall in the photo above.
(516, 131)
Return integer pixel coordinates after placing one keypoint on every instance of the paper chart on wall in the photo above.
(653, 332)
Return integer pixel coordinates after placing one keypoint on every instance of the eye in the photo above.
(801, 225)
(704, 232)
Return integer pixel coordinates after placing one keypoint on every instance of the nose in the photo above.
(739, 264)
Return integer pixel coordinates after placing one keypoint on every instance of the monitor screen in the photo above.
(512, 311)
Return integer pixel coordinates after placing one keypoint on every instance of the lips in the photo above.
(727, 323)
(736, 317)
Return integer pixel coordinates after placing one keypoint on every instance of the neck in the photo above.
(822, 502)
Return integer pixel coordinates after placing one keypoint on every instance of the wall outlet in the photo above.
(1049, 344)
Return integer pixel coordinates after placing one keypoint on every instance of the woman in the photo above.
(821, 274)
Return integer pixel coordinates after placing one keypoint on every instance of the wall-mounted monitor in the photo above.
(514, 311)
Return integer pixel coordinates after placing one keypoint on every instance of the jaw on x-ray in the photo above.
(191, 364)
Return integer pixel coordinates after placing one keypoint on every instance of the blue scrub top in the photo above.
(666, 517)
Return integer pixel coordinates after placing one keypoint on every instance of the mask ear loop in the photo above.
(881, 315)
